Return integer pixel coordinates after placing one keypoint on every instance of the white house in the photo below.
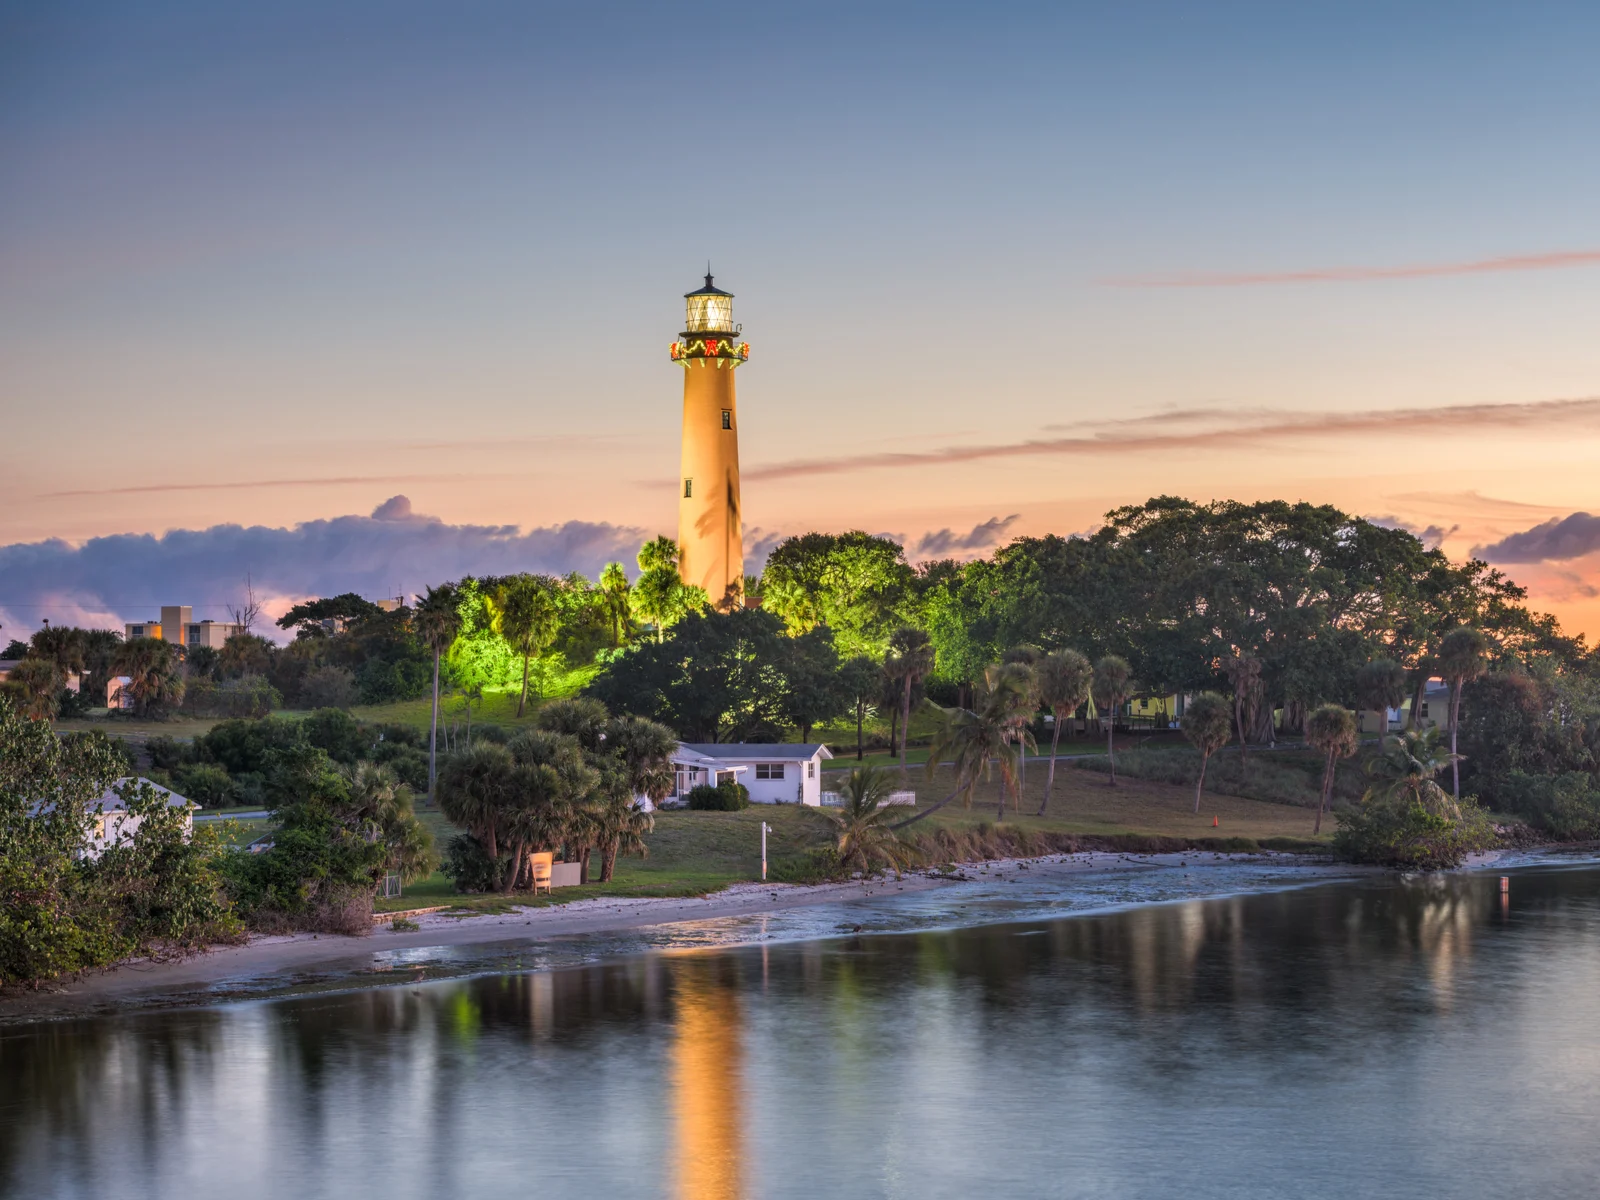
(774, 773)
(114, 825)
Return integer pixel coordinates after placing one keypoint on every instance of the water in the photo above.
(1354, 1039)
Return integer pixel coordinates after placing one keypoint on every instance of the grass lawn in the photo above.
(696, 852)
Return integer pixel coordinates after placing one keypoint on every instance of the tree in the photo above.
(855, 583)
(1206, 722)
(865, 839)
(1244, 677)
(1064, 677)
(62, 645)
(659, 595)
(1406, 769)
(244, 654)
(1332, 730)
(1111, 685)
(381, 804)
(347, 608)
(810, 669)
(475, 789)
(437, 622)
(858, 683)
(614, 600)
(35, 685)
(974, 738)
(1381, 686)
(910, 660)
(718, 677)
(154, 680)
(525, 614)
(1463, 657)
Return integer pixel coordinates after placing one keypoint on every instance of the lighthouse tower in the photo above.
(710, 526)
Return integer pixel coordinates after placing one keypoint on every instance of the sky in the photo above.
(364, 296)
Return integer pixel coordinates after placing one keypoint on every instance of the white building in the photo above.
(774, 773)
(114, 825)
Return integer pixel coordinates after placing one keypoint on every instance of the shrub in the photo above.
(820, 864)
(1402, 833)
(1566, 805)
(727, 796)
(469, 866)
(206, 784)
(328, 687)
(247, 696)
(167, 754)
(335, 731)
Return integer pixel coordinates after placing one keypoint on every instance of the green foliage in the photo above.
(659, 596)
(61, 912)
(469, 866)
(726, 796)
(1401, 832)
(1208, 723)
(207, 784)
(1565, 805)
(245, 696)
(717, 677)
(332, 843)
(336, 732)
(819, 864)
(865, 839)
(855, 583)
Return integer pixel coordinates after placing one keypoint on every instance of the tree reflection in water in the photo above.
(1170, 1040)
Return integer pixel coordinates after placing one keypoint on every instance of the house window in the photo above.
(727, 418)
(688, 489)
(769, 770)
(811, 770)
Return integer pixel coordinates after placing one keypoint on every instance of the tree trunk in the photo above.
(517, 858)
(522, 702)
(1238, 720)
(583, 865)
(608, 863)
(894, 726)
(1199, 784)
(1050, 779)
(1327, 787)
(1455, 763)
(1412, 721)
(861, 717)
(433, 733)
(927, 812)
(1111, 751)
(905, 728)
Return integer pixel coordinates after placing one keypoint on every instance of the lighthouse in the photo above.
(710, 524)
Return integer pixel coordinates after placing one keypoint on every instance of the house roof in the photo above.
(760, 751)
(111, 802)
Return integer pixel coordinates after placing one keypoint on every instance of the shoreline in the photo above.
(265, 965)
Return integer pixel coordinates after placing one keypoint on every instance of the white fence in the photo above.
(835, 800)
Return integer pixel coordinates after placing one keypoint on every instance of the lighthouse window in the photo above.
(727, 418)
(688, 489)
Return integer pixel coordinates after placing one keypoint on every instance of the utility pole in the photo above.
(763, 852)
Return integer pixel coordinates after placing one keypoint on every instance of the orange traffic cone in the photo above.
(1215, 821)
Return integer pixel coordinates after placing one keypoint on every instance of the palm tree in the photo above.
(909, 661)
(658, 592)
(1064, 677)
(643, 750)
(614, 588)
(36, 684)
(865, 836)
(1111, 685)
(436, 622)
(1016, 682)
(1380, 686)
(1406, 769)
(858, 681)
(62, 645)
(972, 739)
(525, 614)
(1463, 657)
(383, 807)
(1244, 677)
(620, 826)
(151, 666)
(1332, 730)
(1206, 722)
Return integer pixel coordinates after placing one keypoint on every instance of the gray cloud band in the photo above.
(1555, 540)
(1146, 434)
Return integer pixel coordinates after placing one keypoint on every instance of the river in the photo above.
(1358, 1038)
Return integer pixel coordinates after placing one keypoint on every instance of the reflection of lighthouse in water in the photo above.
(707, 1084)
(710, 524)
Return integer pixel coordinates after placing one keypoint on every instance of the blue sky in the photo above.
(274, 264)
